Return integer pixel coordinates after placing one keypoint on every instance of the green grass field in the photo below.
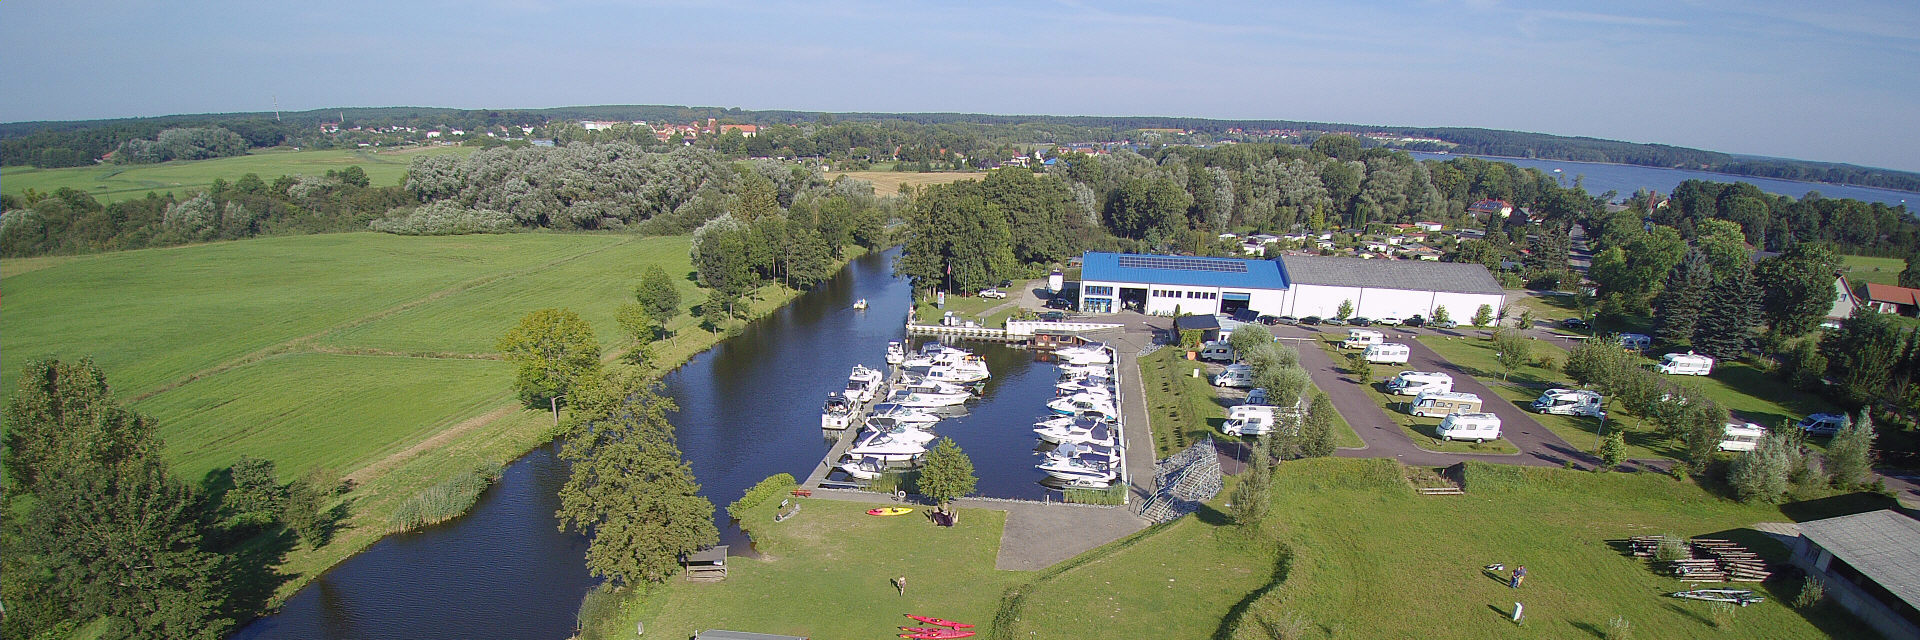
(113, 183)
(1864, 269)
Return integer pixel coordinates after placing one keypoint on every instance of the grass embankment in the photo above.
(1751, 394)
(113, 183)
(1421, 430)
(367, 355)
(1183, 408)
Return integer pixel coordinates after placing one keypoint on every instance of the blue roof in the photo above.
(1183, 270)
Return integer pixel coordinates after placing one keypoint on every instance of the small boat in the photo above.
(1082, 430)
(888, 447)
(838, 412)
(1086, 354)
(1084, 403)
(1084, 468)
(896, 352)
(940, 622)
(864, 467)
(860, 305)
(890, 511)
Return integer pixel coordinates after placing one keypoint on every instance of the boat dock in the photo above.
(818, 479)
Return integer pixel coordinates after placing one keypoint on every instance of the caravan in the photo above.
(1742, 436)
(1686, 364)
(1238, 375)
(1443, 403)
(1570, 402)
(1362, 338)
(1218, 351)
(1413, 383)
(1388, 353)
(1478, 427)
(1249, 420)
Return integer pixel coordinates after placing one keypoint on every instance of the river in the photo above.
(749, 408)
(1625, 179)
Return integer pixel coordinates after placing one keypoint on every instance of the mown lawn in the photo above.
(826, 573)
(1181, 408)
(965, 307)
(1864, 269)
(113, 183)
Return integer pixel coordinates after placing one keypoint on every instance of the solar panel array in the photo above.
(1183, 264)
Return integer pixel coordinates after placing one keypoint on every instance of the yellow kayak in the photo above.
(889, 511)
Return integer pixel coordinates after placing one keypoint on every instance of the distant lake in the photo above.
(1624, 179)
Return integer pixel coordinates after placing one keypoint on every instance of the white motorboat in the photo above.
(935, 354)
(1061, 421)
(927, 399)
(1085, 383)
(1092, 468)
(860, 391)
(910, 434)
(1081, 430)
(863, 467)
(963, 372)
(1094, 353)
(910, 416)
(838, 412)
(1063, 390)
(886, 447)
(1071, 449)
(1086, 369)
(860, 305)
(1085, 403)
(896, 352)
(929, 385)
(861, 372)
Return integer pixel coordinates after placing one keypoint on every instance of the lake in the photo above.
(1624, 180)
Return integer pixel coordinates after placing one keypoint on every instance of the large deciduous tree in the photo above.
(64, 413)
(656, 290)
(550, 349)
(1797, 287)
(1850, 454)
(947, 473)
(1861, 356)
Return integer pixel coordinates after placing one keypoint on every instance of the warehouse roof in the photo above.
(1182, 270)
(1882, 545)
(1417, 275)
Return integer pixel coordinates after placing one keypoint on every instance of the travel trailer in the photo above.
(1389, 353)
(1218, 351)
(1238, 375)
(1633, 341)
(1570, 402)
(1413, 383)
(1685, 364)
(1362, 338)
(1478, 427)
(1441, 403)
(1742, 436)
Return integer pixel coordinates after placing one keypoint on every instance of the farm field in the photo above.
(888, 182)
(1864, 269)
(113, 183)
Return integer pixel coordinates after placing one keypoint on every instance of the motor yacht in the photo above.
(1093, 353)
(1063, 390)
(1086, 369)
(896, 352)
(962, 372)
(911, 416)
(927, 399)
(1084, 403)
(1090, 468)
(887, 447)
(863, 384)
(1087, 430)
(1071, 449)
(863, 467)
(838, 412)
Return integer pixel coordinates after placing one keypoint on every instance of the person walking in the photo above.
(1519, 574)
(901, 584)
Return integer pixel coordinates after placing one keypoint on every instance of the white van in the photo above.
(1413, 383)
(1633, 341)
(1478, 427)
(1742, 436)
(1825, 424)
(1218, 351)
(1570, 402)
(1388, 353)
(1444, 403)
(1239, 376)
(1362, 338)
(1249, 420)
(1686, 364)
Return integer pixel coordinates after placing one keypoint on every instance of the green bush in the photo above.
(774, 485)
(1812, 591)
(1113, 495)
(443, 218)
(445, 501)
(1671, 548)
(1618, 629)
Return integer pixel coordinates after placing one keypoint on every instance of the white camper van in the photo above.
(1388, 353)
(1218, 351)
(1413, 383)
(1825, 424)
(1686, 364)
(1362, 338)
(1742, 436)
(1570, 402)
(1633, 341)
(1478, 427)
(1238, 375)
(1442, 403)
(1249, 420)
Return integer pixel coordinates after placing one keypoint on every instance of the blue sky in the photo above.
(1833, 81)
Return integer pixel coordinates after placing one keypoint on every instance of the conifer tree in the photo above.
(1732, 311)
(1679, 305)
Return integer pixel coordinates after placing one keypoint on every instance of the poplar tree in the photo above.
(1678, 307)
(1316, 434)
(1850, 454)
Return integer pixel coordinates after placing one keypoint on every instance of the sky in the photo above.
(1834, 81)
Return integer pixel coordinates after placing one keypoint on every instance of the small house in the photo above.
(1491, 207)
(1886, 298)
(1843, 303)
(1207, 325)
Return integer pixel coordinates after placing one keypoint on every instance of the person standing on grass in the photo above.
(901, 584)
(1519, 574)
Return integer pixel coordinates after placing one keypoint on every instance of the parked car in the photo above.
(1060, 303)
(1359, 321)
(1334, 322)
(1388, 321)
(992, 293)
(1443, 324)
(1053, 316)
(1416, 321)
(1290, 320)
(1006, 284)
(1310, 320)
(1575, 324)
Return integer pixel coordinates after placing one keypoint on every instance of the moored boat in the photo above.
(837, 413)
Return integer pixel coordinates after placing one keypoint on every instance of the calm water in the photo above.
(749, 408)
(1626, 179)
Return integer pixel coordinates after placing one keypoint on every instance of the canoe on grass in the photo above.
(890, 511)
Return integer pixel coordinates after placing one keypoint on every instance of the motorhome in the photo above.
(1413, 383)
(1238, 375)
(1434, 404)
(1825, 424)
(1742, 436)
(1249, 420)
(1388, 353)
(1685, 364)
(1218, 351)
(1633, 341)
(1570, 402)
(1362, 338)
(1478, 427)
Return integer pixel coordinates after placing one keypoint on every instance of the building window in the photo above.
(1100, 290)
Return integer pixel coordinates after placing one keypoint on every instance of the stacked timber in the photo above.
(1706, 560)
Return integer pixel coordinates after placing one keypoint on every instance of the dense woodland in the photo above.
(919, 136)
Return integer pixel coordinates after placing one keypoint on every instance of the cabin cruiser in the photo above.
(901, 432)
(887, 447)
(933, 353)
(863, 384)
(1094, 353)
(863, 467)
(927, 399)
(1087, 469)
(965, 373)
(891, 414)
(1084, 403)
(1064, 389)
(1086, 369)
(838, 412)
(1071, 449)
(896, 352)
(1085, 383)
(929, 385)
(1088, 430)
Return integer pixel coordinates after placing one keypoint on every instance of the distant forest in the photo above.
(80, 143)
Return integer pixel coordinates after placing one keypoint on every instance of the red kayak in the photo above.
(941, 622)
(938, 634)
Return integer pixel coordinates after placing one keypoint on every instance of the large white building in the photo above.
(1289, 286)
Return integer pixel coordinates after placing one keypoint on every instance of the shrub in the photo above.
(443, 218)
(1113, 495)
(1671, 548)
(774, 485)
(1618, 629)
(1812, 591)
(1723, 614)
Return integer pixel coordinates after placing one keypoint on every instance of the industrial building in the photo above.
(1287, 286)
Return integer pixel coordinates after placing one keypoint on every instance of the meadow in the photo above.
(1864, 269)
(113, 183)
